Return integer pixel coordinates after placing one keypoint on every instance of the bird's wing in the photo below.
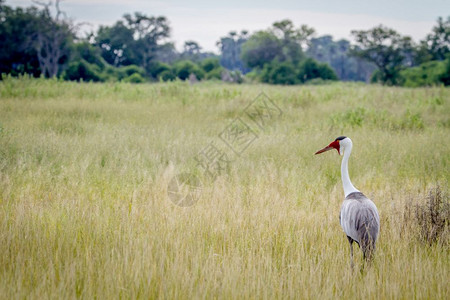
(358, 212)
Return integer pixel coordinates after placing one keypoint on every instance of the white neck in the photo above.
(348, 186)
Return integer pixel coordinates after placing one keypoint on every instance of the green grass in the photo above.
(84, 209)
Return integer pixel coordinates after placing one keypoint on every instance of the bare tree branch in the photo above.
(53, 35)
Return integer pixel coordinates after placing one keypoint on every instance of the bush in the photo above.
(430, 221)
(89, 53)
(311, 69)
(283, 73)
(261, 48)
(111, 73)
(215, 74)
(127, 71)
(134, 78)
(167, 75)
(210, 64)
(445, 76)
(185, 68)
(253, 75)
(212, 68)
(289, 73)
(82, 70)
(326, 72)
(427, 74)
(155, 69)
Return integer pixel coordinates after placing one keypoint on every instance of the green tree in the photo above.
(116, 43)
(134, 40)
(261, 48)
(293, 40)
(282, 42)
(384, 47)
(148, 33)
(436, 45)
(191, 51)
(231, 48)
(34, 40)
(17, 27)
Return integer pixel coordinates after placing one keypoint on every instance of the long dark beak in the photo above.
(327, 148)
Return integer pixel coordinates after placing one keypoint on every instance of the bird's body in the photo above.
(359, 216)
(360, 221)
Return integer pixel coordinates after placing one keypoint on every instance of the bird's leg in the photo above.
(350, 240)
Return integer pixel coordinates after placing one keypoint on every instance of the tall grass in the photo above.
(84, 209)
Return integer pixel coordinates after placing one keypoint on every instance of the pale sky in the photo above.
(206, 21)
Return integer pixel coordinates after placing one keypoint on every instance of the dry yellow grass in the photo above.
(84, 209)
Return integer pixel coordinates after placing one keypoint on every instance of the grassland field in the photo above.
(85, 212)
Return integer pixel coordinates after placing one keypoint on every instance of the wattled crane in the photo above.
(359, 216)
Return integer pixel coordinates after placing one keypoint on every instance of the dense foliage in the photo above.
(276, 56)
(41, 41)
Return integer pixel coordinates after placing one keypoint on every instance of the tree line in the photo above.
(40, 40)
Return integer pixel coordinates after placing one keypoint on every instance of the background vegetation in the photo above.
(43, 42)
(84, 209)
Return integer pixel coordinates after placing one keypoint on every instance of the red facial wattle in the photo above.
(335, 145)
(332, 145)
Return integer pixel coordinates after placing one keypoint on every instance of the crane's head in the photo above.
(338, 144)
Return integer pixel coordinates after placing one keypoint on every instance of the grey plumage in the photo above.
(361, 223)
